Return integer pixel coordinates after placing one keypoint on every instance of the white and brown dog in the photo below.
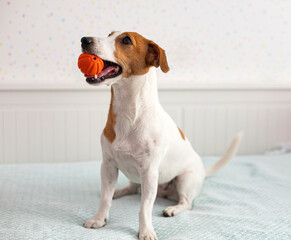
(140, 138)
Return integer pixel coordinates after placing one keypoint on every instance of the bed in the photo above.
(249, 199)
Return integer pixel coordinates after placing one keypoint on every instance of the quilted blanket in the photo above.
(250, 198)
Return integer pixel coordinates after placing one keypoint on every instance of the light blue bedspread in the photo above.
(249, 199)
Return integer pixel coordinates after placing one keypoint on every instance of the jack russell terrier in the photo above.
(140, 138)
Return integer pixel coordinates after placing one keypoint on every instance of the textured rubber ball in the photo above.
(89, 64)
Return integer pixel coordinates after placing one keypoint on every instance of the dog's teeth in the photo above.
(116, 69)
(95, 76)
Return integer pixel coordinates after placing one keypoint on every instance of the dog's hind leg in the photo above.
(168, 190)
(188, 187)
(130, 189)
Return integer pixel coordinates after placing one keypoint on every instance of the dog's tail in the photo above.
(231, 151)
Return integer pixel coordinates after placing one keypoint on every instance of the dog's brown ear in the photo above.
(156, 56)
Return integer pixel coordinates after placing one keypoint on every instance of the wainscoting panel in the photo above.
(57, 125)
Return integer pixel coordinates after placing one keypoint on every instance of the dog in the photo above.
(140, 138)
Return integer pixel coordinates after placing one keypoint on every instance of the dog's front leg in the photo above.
(149, 185)
(109, 176)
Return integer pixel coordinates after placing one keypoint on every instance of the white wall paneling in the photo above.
(53, 125)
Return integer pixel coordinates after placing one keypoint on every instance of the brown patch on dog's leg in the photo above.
(182, 134)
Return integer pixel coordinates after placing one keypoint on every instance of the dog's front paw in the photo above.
(147, 235)
(95, 223)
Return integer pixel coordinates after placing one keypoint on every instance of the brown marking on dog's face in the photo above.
(110, 34)
(137, 54)
(182, 134)
(109, 131)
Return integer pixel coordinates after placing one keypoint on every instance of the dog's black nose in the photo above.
(86, 40)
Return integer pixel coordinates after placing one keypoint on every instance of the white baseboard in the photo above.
(64, 124)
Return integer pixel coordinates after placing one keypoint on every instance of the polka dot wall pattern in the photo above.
(205, 41)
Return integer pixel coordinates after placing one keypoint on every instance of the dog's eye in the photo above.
(126, 40)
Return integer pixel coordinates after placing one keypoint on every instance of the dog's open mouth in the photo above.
(110, 70)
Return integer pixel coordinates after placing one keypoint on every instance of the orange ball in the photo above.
(89, 64)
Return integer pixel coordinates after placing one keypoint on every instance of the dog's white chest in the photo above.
(129, 158)
(129, 168)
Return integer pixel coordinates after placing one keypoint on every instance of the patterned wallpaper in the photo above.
(205, 40)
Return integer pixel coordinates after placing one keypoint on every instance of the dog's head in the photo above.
(124, 54)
